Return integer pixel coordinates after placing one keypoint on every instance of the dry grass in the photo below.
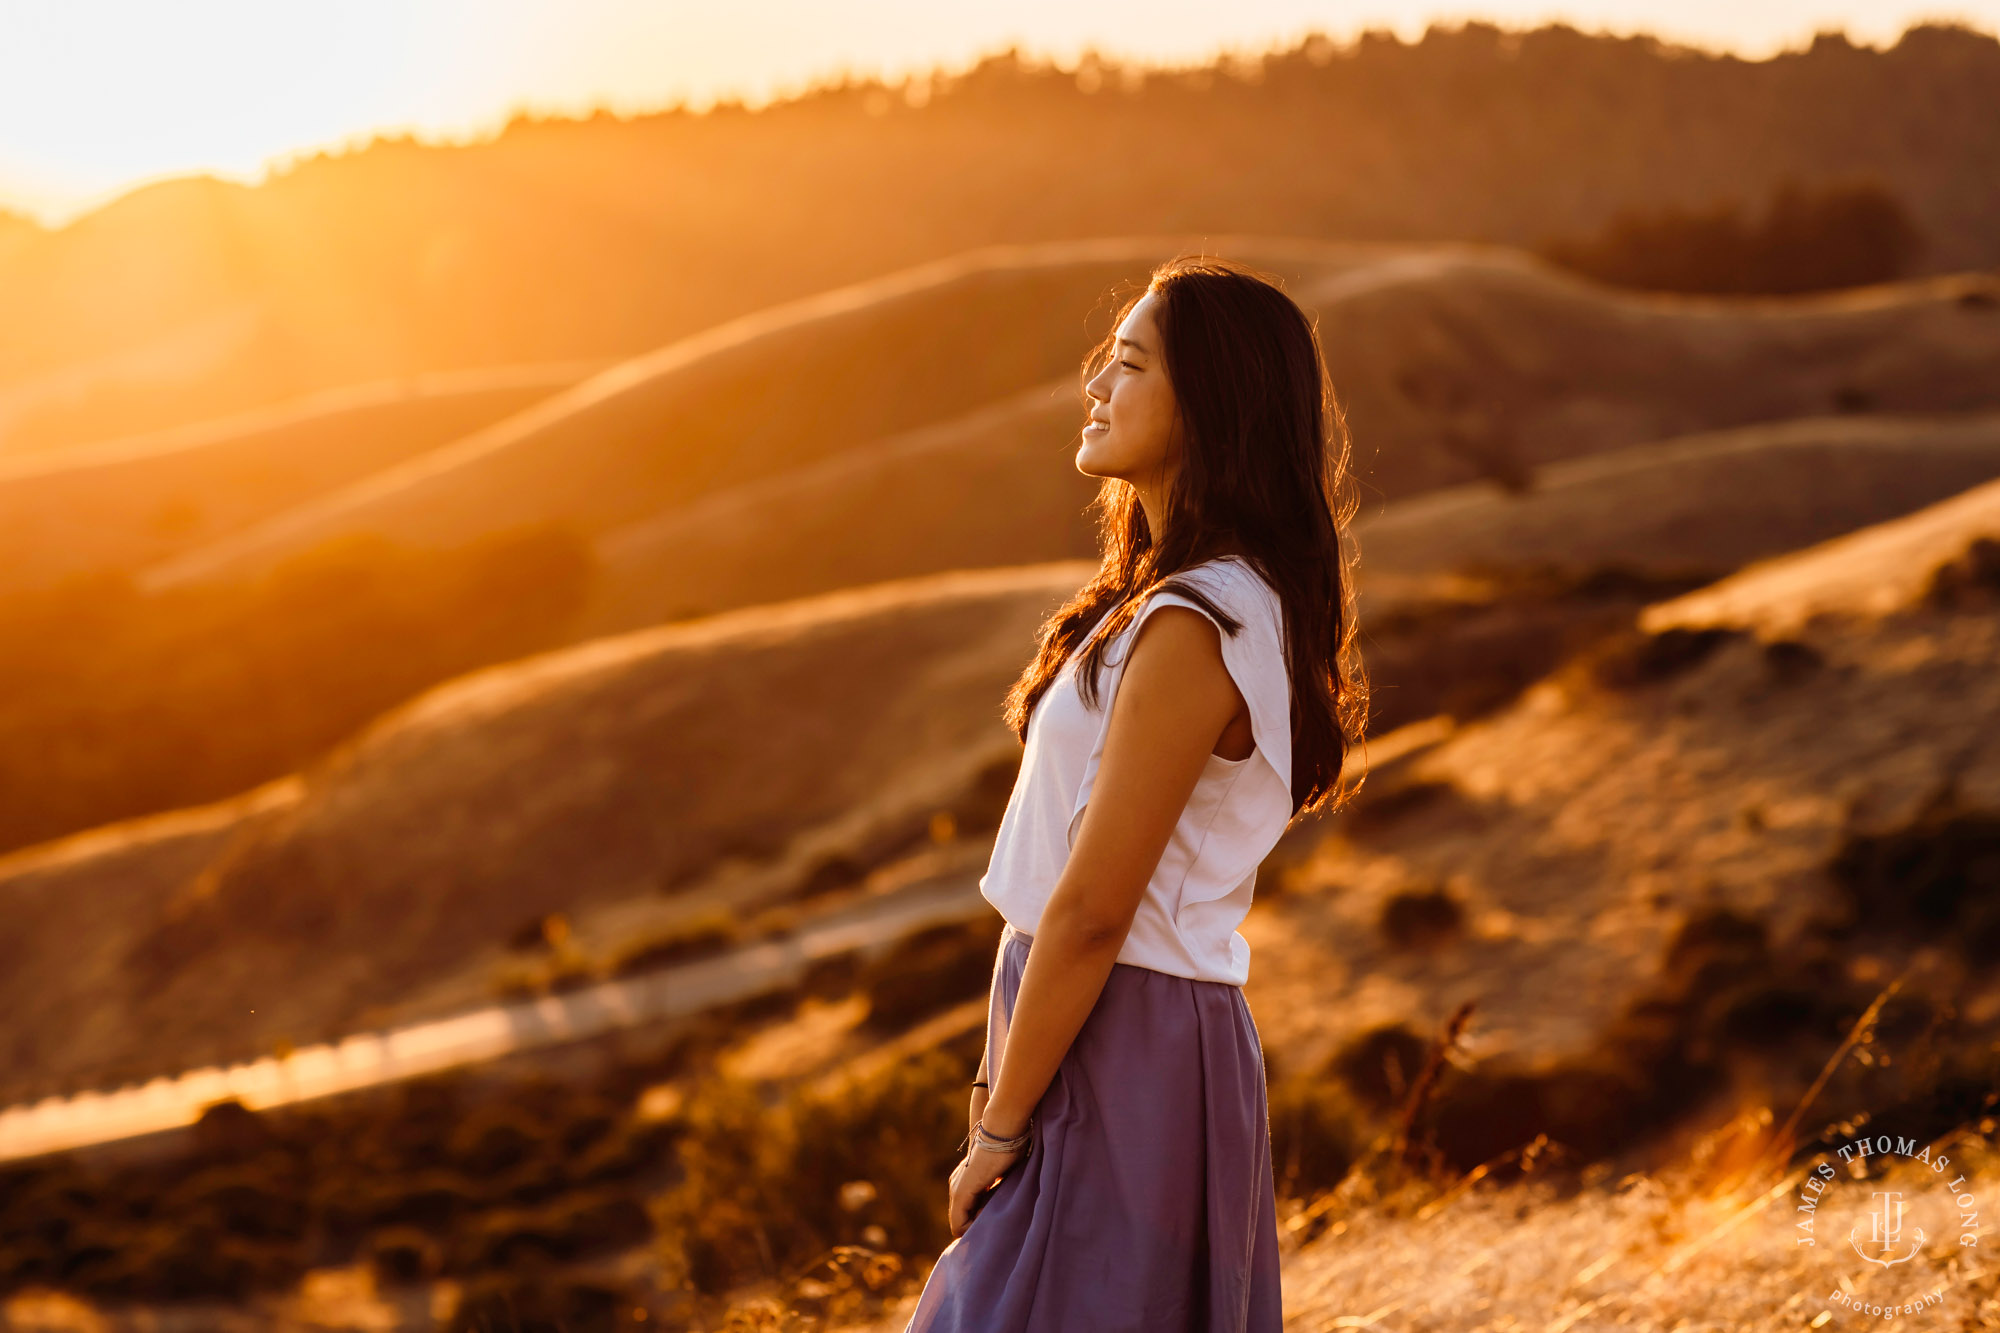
(942, 401)
(630, 785)
(124, 504)
(1656, 1251)
(1383, 310)
(611, 235)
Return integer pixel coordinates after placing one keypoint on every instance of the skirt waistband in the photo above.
(1012, 932)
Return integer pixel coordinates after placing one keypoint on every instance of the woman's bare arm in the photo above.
(1170, 708)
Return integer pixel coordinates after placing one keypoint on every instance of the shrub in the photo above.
(1970, 578)
(703, 936)
(1936, 880)
(514, 1303)
(1637, 659)
(761, 1190)
(1317, 1135)
(735, 1158)
(930, 970)
(1381, 1064)
(1842, 234)
(404, 1254)
(1422, 918)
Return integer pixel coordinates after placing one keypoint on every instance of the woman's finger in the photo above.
(967, 1197)
(955, 1208)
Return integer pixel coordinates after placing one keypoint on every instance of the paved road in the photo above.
(369, 1059)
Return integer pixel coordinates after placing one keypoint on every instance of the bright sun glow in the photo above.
(97, 95)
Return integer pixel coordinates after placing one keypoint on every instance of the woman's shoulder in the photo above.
(1255, 653)
(1236, 584)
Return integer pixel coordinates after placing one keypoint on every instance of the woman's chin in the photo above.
(1092, 462)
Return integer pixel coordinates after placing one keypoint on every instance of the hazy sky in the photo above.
(97, 95)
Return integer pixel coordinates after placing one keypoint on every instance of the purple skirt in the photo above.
(1145, 1201)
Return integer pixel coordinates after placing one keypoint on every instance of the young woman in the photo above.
(1198, 694)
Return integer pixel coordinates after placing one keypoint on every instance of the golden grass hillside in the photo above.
(1472, 593)
(1559, 544)
(1698, 505)
(836, 441)
(1718, 904)
(1670, 879)
(559, 239)
(1669, 875)
(934, 402)
(746, 401)
(126, 504)
(1869, 573)
(1695, 506)
(1689, 1245)
(727, 760)
(192, 882)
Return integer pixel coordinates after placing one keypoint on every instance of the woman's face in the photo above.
(1134, 432)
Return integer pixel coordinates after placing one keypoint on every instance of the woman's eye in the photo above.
(1127, 363)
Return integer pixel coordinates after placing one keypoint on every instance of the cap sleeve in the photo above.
(1254, 655)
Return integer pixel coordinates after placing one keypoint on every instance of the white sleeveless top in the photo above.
(1200, 891)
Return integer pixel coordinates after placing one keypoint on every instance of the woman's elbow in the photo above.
(1087, 926)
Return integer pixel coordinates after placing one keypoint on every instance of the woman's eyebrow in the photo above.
(1138, 346)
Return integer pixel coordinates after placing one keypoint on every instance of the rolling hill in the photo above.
(1454, 363)
(563, 240)
(736, 761)
(1723, 834)
(923, 423)
(126, 504)
(731, 473)
(1698, 504)
(1872, 572)
(1563, 841)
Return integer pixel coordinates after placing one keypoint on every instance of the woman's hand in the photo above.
(980, 1169)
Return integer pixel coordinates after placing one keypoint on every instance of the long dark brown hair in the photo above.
(1264, 470)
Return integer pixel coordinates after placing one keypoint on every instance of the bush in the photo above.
(246, 1202)
(899, 1131)
(1837, 235)
(1637, 659)
(1422, 918)
(929, 971)
(1381, 1065)
(705, 936)
(434, 1201)
(761, 1191)
(516, 1304)
(414, 1180)
(404, 1254)
(735, 1159)
(1934, 881)
(1971, 578)
(1317, 1134)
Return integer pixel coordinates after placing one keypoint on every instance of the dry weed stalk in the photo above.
(1780, 1143)
(1420, 1091)
(1775, 1147)
(1361, 1181)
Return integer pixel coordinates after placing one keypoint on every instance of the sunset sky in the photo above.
(96, 95)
